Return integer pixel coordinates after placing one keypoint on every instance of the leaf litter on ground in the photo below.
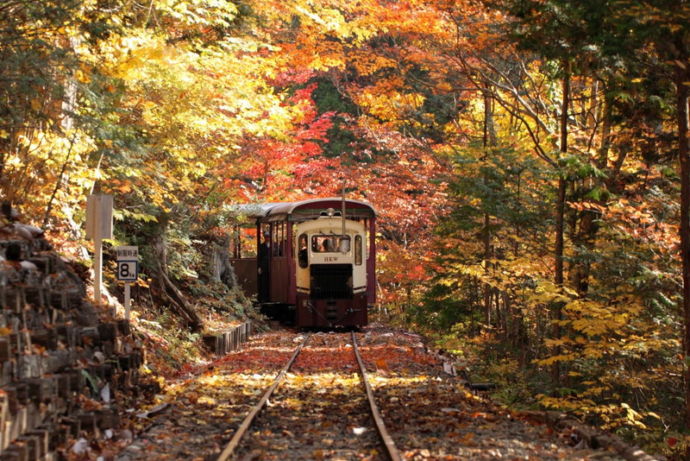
(320, 411)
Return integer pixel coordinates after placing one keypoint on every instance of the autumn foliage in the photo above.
(522, 157)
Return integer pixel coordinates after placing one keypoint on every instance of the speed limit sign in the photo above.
(127, 266)
(127, 270)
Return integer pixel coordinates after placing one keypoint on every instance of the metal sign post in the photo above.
(99, 225)
(127, 271)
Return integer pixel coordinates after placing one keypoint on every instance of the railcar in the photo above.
(314, 261)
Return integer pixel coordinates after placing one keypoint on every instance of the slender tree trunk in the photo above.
(560, 216)
(488, 140)
(58, 183)
(518, 206)
(487, 257)
(508, 318)
(684, 154)
(476, 285)
(70, 98)
(589, 227)
(562, 184)
(603, 151)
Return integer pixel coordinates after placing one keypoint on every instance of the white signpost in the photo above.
(127, 270)
(99, 226)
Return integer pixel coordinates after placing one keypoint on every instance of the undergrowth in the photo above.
(522, 385)
(169, 344)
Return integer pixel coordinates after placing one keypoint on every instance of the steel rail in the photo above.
(391, 449)
(246, 423)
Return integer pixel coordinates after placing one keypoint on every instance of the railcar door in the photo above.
(264, 252)
(244, 259)
(279, 270)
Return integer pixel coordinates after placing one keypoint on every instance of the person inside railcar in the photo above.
(344, 245)
(263, 265)
(328, 245)
(303, 254)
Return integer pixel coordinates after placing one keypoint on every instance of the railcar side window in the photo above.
(278, 238)
(303, 254)
(265, 244)
(244, 242)
(358, 250)
(283, 240)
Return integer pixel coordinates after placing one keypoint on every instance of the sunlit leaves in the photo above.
(198, 12)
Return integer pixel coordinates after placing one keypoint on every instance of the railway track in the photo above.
(381, 446)
(316, 408)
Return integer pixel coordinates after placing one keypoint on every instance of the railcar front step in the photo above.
(331, 311)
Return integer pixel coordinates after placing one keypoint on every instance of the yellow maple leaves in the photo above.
(388, 104)
(197, 12)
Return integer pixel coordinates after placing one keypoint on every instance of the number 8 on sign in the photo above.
(127, 270)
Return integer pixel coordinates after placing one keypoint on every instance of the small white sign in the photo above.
(99, 217)
(126, 253)
(127, 271)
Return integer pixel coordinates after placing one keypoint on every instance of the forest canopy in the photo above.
(528, 158)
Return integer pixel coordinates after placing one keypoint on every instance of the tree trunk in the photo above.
(562, 184)
(216, 251)
(589, 227)
(168, 291)
(507, 318)
(684, 153)
(560, 217)
(487, 257)
(489, 139)
(58, 184)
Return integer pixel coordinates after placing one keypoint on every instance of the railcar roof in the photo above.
(253, 210)
(307, 209)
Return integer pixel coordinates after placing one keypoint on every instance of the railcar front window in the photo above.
(330, 243)
(344, 245)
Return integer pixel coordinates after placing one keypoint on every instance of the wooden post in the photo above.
(99, 225)
(127, 301)
(98, 267)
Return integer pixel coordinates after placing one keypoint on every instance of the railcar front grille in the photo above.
(331, 281)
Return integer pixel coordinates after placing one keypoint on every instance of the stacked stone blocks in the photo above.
(61, 367)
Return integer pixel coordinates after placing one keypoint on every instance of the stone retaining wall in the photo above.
(61, 366)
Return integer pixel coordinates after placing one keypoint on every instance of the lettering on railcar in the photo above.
(330, 259)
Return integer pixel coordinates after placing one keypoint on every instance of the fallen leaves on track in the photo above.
(209, 402)
(432, 416)
(320, 411)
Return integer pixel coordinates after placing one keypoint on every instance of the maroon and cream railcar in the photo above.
(314, 259)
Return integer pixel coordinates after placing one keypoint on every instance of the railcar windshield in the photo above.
(330, 243)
